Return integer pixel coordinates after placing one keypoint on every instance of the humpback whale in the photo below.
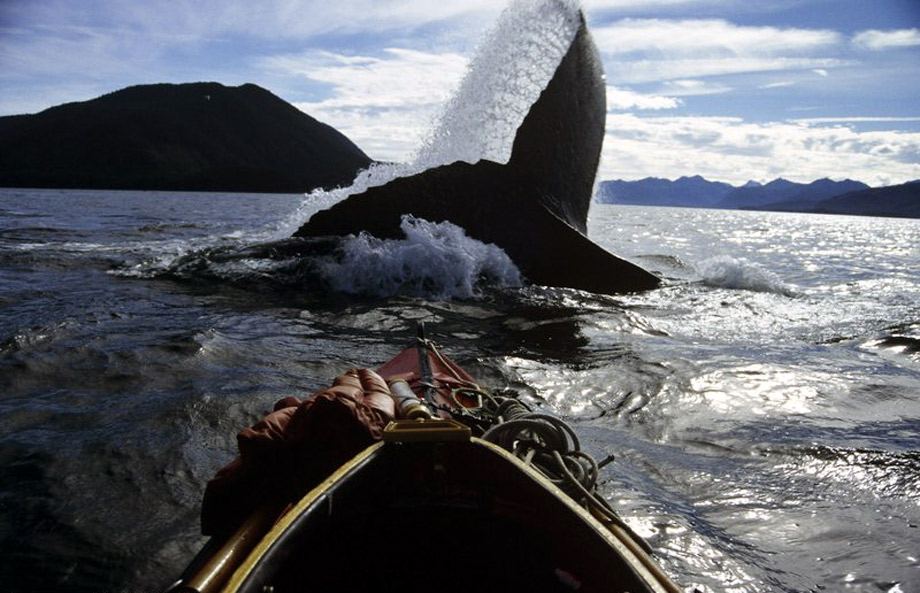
(534, 207)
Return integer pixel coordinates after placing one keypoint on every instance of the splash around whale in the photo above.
(535, 206)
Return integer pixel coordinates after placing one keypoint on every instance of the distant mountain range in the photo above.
(780, 195)
(198, 136)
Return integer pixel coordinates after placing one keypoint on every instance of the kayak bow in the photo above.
(466, 490)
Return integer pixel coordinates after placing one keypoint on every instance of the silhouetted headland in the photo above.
(200, 136)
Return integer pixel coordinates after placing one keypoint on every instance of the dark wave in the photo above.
(162, 227)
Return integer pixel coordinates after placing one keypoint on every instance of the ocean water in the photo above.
(763, 405)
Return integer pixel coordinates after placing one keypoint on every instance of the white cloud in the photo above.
(385, 134)
(691, 88)
(733, 150)
(152, 40)
(648, 50)
(656, 70)
(270, 19)
(704, 37)
(861, 120)
(780, 84)
(317, 16)
(384, 104)
(400, 78)
(68, 49)
(622, 98)
(821, 72)
(876, 40)
(606, 5)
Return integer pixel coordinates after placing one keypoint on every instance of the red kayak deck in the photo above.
(435, 378)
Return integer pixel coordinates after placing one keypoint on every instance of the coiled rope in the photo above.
(540, 441)
(551, 446)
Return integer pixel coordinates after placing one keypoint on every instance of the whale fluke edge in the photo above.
(535, 207)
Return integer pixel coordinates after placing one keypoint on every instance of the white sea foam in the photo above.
(725, 271)
(435, 260)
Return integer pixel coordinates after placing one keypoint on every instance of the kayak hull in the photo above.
(444, 516)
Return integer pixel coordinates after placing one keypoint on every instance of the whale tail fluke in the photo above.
(535, 207)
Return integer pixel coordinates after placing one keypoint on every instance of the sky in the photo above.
(733, 90)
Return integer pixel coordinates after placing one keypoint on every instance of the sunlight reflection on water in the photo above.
(757, 389)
